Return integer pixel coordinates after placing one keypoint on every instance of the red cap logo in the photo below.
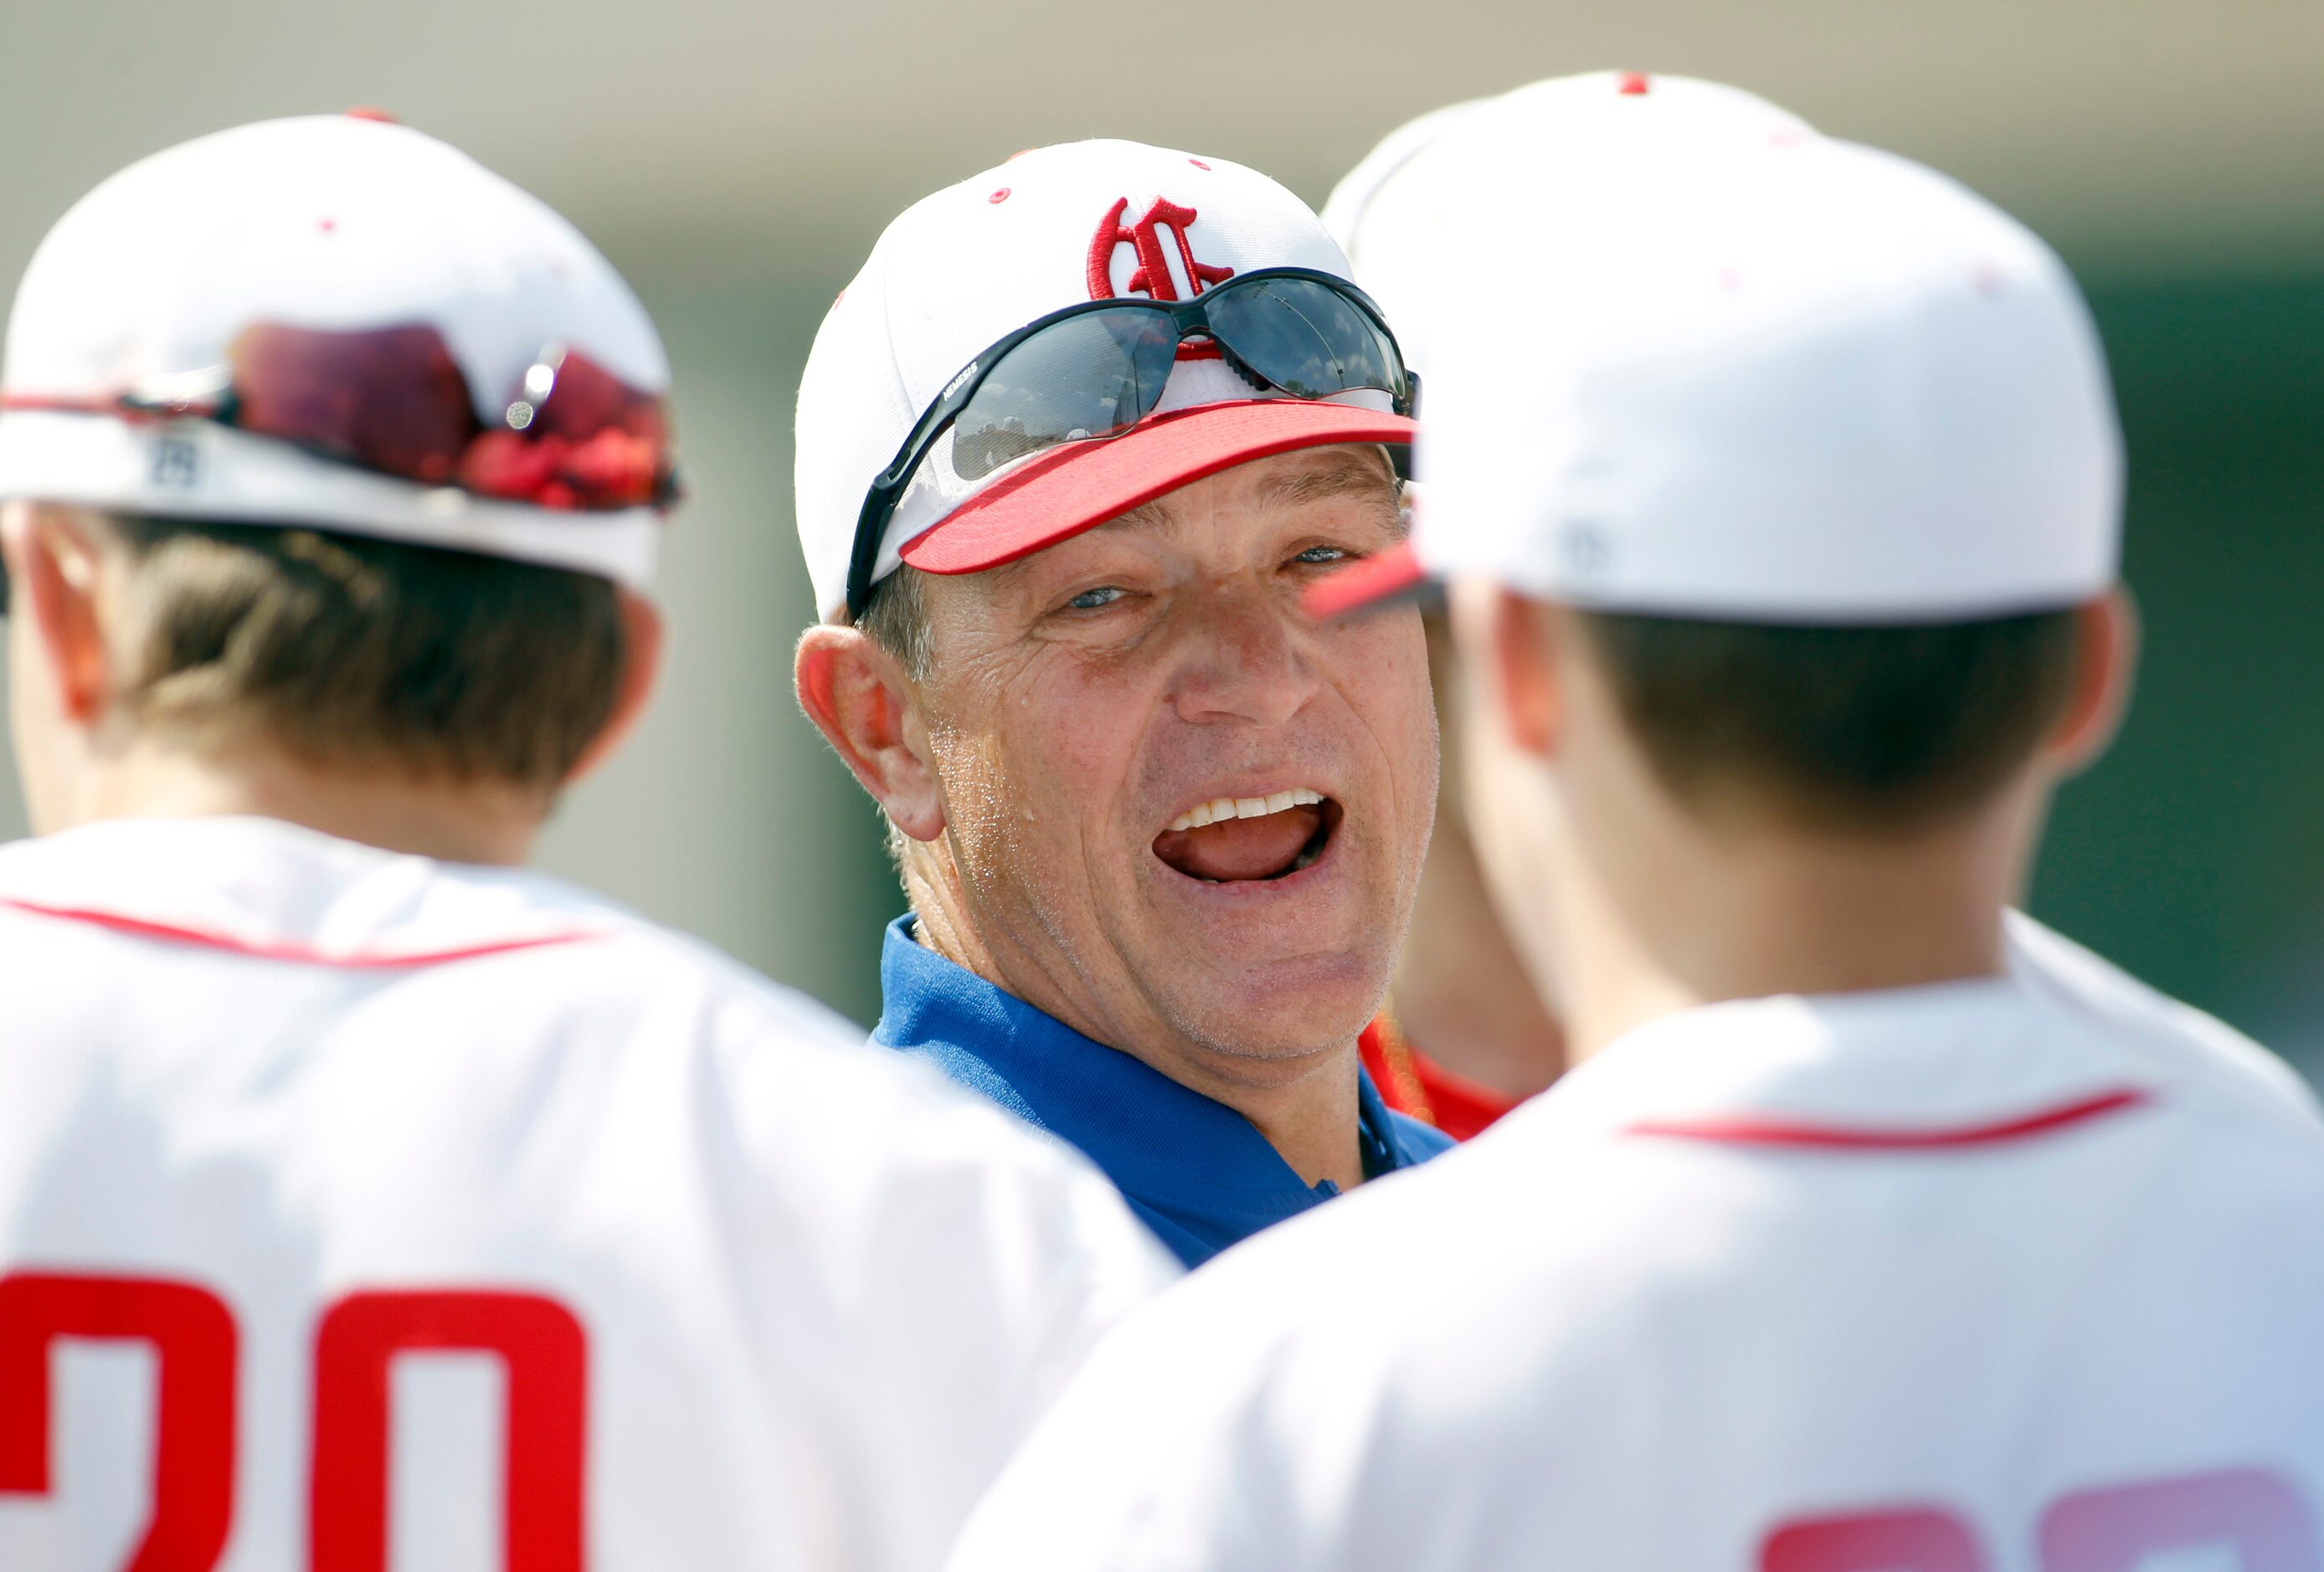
(1153, 276)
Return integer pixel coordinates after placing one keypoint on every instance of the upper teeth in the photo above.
(1219, 808)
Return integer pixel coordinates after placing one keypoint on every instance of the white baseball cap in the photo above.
(961, 270)
(1387, 213)
(1745, 373)
(348, 248)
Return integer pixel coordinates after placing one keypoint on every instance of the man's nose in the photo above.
(1242, 656)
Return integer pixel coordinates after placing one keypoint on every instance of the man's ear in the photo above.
(55, 588)
(643, 638)
(2106, 664)
(1510, 648)
(859, 698)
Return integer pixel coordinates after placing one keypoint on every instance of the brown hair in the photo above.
(1861, 728)
(349, 652)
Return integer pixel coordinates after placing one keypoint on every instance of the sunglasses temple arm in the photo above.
(880, 501)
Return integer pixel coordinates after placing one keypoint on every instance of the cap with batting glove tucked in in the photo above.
(962, 269)
(1732, 370)
(340, 323)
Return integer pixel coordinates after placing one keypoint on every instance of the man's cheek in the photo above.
(1080, 762)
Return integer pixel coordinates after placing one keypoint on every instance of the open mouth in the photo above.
(1239, 839)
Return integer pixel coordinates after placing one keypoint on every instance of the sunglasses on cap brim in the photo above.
(1095, 370)
(570, 437)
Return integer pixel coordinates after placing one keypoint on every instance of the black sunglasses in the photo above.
(1097, 369)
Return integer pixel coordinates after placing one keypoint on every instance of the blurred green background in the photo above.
(736, 161)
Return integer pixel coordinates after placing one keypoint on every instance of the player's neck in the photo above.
(453, 821)
(1711, 918)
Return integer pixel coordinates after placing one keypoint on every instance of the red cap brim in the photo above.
(1084, 484)
(1375, 581)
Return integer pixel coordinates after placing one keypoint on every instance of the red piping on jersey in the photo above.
(283, 949)
(1840, 1137)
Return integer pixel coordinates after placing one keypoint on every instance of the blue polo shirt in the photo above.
(1199, 1173)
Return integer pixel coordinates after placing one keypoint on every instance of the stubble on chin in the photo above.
(1264, 1023)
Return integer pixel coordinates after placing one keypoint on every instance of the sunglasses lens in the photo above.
(391, 398)
(1307, 339)
(1091, 375)
(576, 437)
(394, 400)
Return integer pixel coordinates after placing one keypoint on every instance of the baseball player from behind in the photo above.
(333, 469)
(1470, 1031)
(1874, 1231)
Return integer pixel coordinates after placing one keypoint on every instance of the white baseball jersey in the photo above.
(1996, 1276)
(358, 1210)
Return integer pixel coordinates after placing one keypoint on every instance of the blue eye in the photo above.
(1321, 553)
(1095, 600)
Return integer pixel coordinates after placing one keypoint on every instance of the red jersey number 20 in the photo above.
(197, 1349)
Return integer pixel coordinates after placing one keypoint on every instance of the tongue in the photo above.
(1241, 849)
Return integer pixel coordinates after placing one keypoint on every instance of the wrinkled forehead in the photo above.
(1274, 494)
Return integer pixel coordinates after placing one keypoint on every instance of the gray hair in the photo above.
(896, 619)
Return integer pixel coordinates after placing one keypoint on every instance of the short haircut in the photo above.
(896, 619)
(1864, 728)
(353, 653)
